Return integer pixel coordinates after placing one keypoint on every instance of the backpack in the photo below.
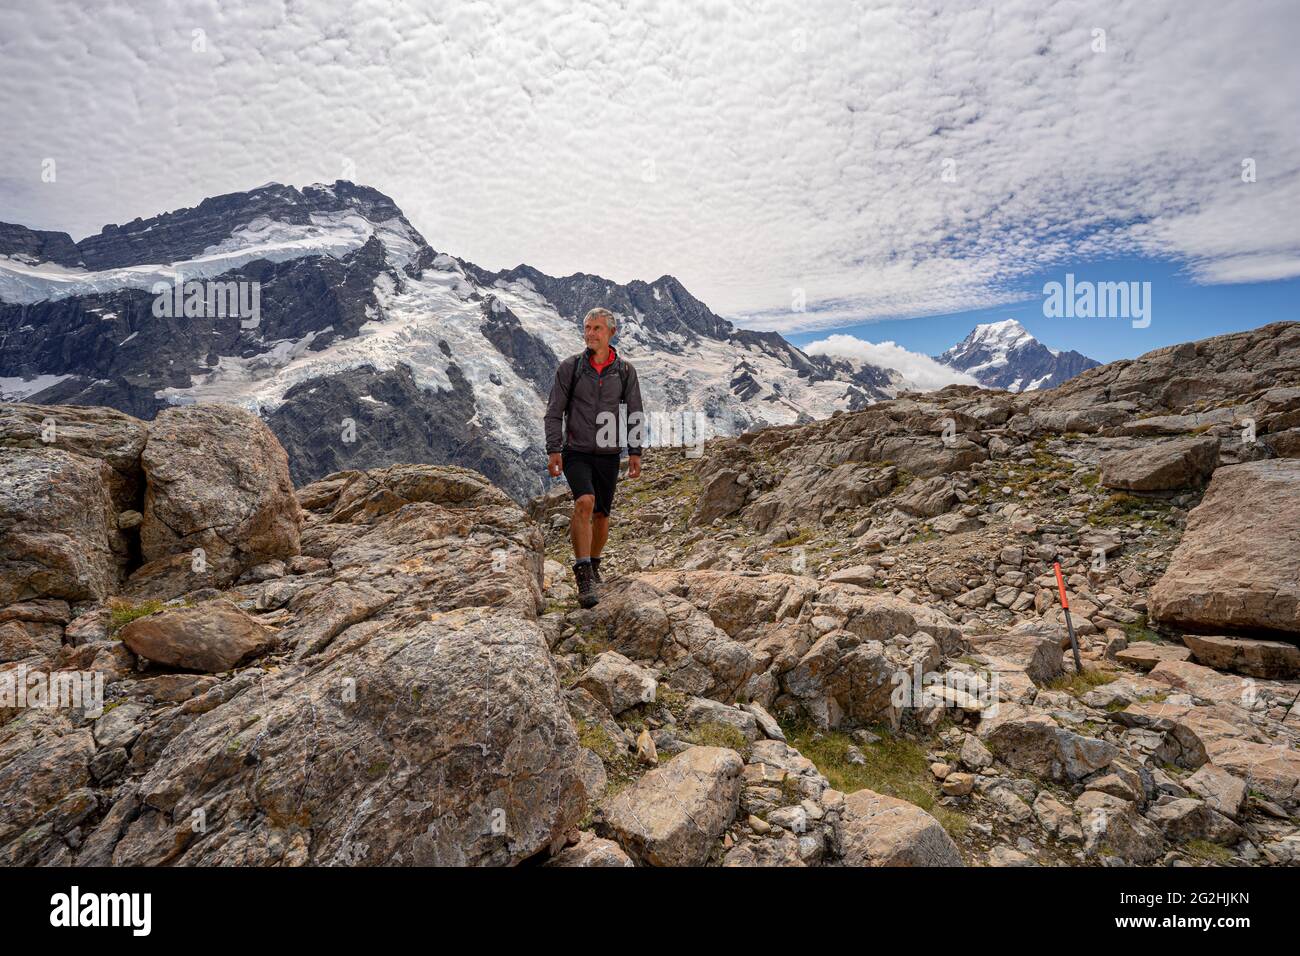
(573, 382)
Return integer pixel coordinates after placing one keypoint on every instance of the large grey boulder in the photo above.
(1188, 819)
(90, 431)
(57, 523)
(1145, 655)
(928, 497)
(440, 742)
(645, 623)
(213, 636)
(1034, 743)
(1038, 655)
(618, 683)
(1237, 567)
(879, 830)
(844, 676)
(1166, 466)
(591, 850)
(1243, 655)
(675, 814)
(1113, 827)
(724, 494)
(44, 770)
(1220, 789)
(217, 479)
(808, 490)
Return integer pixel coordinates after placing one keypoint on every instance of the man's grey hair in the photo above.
(601, 313)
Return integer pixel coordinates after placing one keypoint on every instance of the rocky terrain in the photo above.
(835, 643)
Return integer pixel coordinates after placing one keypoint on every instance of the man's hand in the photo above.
(555, 465)
(634, 466)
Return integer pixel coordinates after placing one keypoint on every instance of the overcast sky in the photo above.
(752, 150)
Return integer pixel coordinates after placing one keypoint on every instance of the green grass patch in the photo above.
(1207, 852)
(562, 607)
(1123, 508)
(803, 535)
(714, 734)
(790, 793)
(673, 701)
(591, 643)
(1140, 631)
(895, 766)
(594, 738)
(122, 612)
(1079, 684)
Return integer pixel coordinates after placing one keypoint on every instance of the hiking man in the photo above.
(582, 440)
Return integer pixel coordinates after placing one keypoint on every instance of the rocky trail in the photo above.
(830, 644)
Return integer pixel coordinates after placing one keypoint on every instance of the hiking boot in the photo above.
(595, 571)
(586, 584)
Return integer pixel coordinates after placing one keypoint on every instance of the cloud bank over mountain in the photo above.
(919, 370)
(875, 158)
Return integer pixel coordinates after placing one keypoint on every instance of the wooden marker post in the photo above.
(1069, 624)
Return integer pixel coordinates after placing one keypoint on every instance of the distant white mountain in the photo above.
(1004, 355)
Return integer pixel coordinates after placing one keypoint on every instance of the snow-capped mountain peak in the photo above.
(1008, 332)
(1005, 355)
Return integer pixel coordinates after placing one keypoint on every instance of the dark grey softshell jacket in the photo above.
(593, 394)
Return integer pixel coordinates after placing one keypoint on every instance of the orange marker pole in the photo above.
(1069, 624)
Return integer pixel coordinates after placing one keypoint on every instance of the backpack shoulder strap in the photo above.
(623, 380)
(573, 381)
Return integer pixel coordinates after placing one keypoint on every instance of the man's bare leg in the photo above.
(580, 527)
(599, 532)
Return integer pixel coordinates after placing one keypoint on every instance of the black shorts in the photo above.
(589, 474)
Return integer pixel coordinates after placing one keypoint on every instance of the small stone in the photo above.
(1221, 790)
(958, 784)
(974, 755)
(645, 749)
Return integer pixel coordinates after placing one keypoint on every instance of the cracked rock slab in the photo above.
(441, 742)
(673, 815)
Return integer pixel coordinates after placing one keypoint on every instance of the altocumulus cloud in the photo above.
(761, 153)
(921, 371)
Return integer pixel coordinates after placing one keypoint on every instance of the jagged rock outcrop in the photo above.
(1243, 655)
(409, 680)
(89, 431)
(382, 694)
(646, 624)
